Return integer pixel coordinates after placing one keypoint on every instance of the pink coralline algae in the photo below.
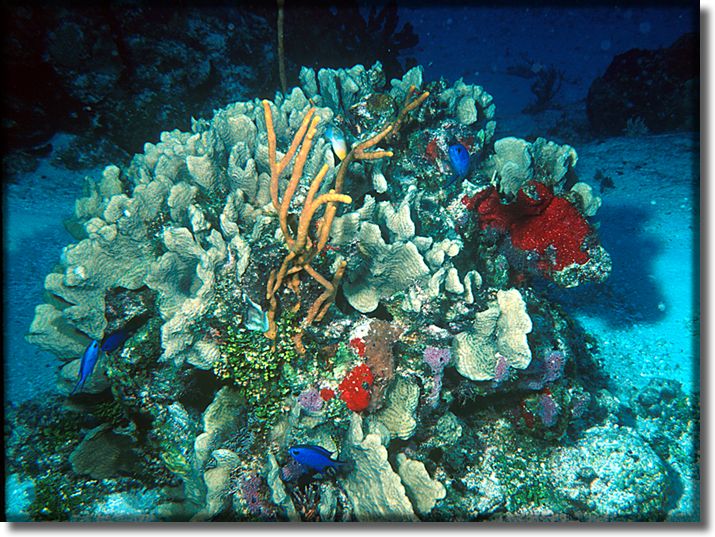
(377, 346)
(433, 396)
(501, 369)
(292, 471)
(547, 410)
(548, 370)
(437, 358)
(553, 366)
(251, 490)
(311, 400)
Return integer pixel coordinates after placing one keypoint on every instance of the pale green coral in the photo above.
(223, 417)
(375, 491)
(424, 491)
(515, 162)
(500, 330)
(398, 414)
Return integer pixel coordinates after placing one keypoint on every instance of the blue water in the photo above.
(480, 44)
(644, 318)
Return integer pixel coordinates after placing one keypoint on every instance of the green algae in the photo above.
(56, 498)
(256, 365)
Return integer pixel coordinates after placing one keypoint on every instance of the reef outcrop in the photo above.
(647, 91)
(366, 305)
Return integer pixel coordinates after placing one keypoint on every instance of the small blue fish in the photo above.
(113, 341)
(315, 457)
(86, 365)
(256, 319)
(337, 141)
(459, 158)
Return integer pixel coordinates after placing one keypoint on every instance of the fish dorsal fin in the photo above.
(318, 449)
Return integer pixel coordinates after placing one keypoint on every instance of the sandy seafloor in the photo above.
(646, 315)
(645, 318)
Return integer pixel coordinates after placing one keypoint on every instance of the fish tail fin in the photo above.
(345, 467)
(77, 387)
(452, 180)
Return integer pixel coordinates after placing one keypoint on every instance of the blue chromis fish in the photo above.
(315, 457)
(86, 365)
(256, 319)
(114, 340)
(337, 141)
(459, 158)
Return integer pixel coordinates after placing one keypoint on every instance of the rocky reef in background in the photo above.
(115, 74)
(435, 367)
(648, 91)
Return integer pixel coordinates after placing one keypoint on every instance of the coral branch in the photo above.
(409, 106)
(277, 167)
(309, 211)
(302, 248)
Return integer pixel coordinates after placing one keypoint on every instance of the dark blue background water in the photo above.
(480, 43)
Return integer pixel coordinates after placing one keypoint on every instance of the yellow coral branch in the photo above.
(410, 104)
(312, 191)
(294, 180)
(301, 249)
(277, 167)
(307, 215)
(317, 276)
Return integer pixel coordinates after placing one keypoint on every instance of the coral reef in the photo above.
(375, 309)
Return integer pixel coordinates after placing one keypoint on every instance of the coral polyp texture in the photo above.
(310, 338)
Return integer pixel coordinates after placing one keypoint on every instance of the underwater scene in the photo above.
(351, 262)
